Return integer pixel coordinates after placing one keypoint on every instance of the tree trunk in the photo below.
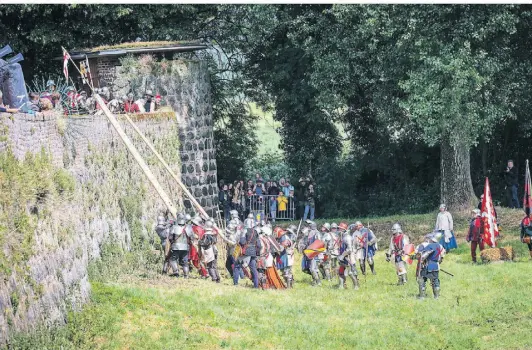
(456, 186)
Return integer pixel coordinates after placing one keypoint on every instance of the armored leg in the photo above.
(229, 262)
(435, 281)
(421, 283)
(362, 264)
(327, 270)
(174, 258)
(254, 272)
(314, 272)
(237, 271)
(287, 275)
(353, 275)
(341, 277)
(371, 265)
(165, 267)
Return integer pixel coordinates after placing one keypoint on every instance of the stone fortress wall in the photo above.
(108, 183)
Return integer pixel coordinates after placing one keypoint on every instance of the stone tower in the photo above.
(184, 86)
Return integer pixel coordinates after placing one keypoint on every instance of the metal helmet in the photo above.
(292, 229)
(161, 220)
(326, 226)
(188, 217)
(234, 213)
(130, 96)
(266, 230)
(443, 206)
(358, 224)
(342, 226)
(396, 228)
(124, 98)
(197, 220)
(436, 236)
(209, 225)
(334, 226)
(477, 212)
(312, 225)
(305, 230)
(258, 229)
(149, 92)
(250, 216)
(231, 227)
(180, 219)
(49, 83)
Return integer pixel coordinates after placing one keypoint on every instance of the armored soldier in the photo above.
(179, 238)
(336, 241)
(235, 218)
(347, 258)
(364, 241)
(430, 256)
(194, 249)
(397, 243)
(162, 230)
(209, 252)
(250, 221)
(292, 233)
(286, 256)
(474, 235)
(265, 258)
(324, 259)
(250, 244)
(314, 263)
(232, 234)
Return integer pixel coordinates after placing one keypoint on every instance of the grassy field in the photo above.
(266, 127)
(485, 306)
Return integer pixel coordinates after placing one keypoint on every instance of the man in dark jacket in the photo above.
(510, 177)
(225, 202)
(251, 245)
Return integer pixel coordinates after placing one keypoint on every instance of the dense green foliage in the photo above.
(480, 308)
(367, 95)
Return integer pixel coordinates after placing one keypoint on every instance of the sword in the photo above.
(450, 274)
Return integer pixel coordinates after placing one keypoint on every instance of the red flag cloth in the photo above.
(491, 230)
(527, 200)
(66, 57)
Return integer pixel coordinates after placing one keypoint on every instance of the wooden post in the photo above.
(166, 199)
(167, 167)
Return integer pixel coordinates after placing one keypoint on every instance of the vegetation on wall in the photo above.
(28, 191)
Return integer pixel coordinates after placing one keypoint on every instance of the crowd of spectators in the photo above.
(277, 200)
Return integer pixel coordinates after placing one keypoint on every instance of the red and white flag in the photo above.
(527, 200)
(491, 230)
(66, 57)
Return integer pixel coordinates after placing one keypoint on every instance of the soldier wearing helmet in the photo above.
(250, 221)
(475, 233)
(232, 233)
(364, 241)
(334, 247)
(196, 226)
(250, 244)
(397, 243)
(313, 264)
(162, 229)
(292, 233)
(430, 255)
(208, 250)
(324, 259)
(179, 238)
(347, 258)
(286, 256)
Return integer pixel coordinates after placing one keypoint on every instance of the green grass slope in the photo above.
(485, 306)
